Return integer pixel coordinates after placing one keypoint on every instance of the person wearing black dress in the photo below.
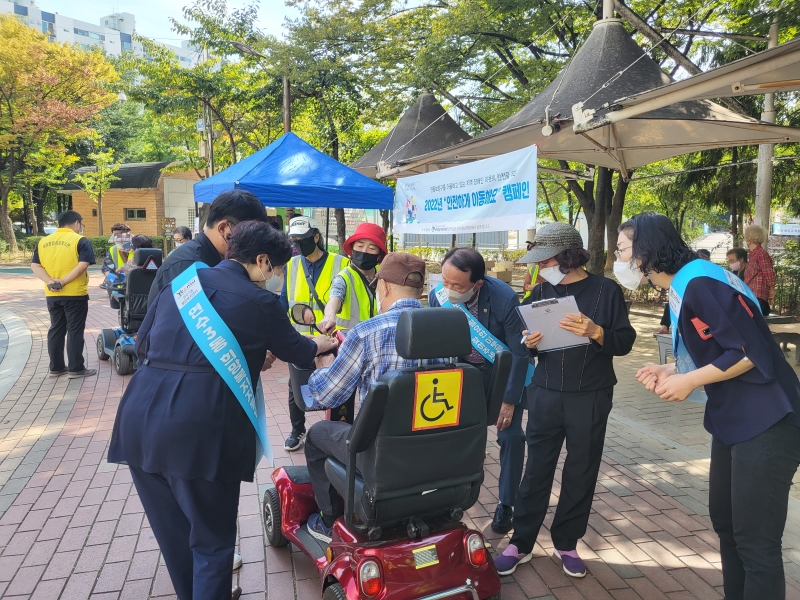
(753, 408)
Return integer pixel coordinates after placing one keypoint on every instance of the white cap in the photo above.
(302, 227)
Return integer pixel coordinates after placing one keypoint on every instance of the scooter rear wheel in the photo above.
(101, 348)
(334, 592)
(272, 519)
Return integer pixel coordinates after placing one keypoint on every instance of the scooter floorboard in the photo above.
(312, 545)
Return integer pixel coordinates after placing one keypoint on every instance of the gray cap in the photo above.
(552, 239)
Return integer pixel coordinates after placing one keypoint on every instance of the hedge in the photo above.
(100, 244)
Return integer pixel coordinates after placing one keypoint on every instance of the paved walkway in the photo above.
(72, 527)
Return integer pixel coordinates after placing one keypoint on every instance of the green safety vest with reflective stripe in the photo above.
(116, 257)
(357, 300)
(534, 271)
(298, 292)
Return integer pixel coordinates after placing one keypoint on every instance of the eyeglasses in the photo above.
(618, 252)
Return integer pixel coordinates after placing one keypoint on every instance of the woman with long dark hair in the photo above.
(721, 341)
(569, 398)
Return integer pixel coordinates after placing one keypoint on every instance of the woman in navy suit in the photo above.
(180, 428)
(753, 408)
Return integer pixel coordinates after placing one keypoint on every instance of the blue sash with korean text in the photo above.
(218, 344)
(482, 340)
(696, 268)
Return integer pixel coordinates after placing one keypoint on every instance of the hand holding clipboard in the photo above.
(559, 323)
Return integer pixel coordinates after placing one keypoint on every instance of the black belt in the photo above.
(174, 367)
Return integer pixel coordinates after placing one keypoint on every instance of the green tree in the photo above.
(97, 180)
(49, 94)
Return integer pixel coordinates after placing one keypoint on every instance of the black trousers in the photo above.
(581, 418)
(67, 320)
(764, 306)
(324, 439)
(194, 522)
(748, 497)
(296, 414)
(512, 450)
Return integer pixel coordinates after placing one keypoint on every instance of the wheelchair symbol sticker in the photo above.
(437, 399)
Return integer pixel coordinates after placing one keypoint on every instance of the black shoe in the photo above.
(503, 520)
(84, 373)
(236, 593)
(63, 371)
(295, 440)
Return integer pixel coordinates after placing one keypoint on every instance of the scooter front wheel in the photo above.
(334, 592)
(272, 518)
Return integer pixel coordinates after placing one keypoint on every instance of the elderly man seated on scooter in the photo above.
(367, 353)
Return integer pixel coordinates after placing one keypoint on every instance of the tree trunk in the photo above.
(100, 214)
(5, 221)
(203, 211)
(614, 219)
(341, 228)
(38, 207)
(385, 221)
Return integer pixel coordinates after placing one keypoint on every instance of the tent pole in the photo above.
(391, 234)
(327, 225)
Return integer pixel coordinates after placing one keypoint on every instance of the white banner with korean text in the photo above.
(494, 194)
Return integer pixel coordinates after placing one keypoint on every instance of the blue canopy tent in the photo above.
(290, 172)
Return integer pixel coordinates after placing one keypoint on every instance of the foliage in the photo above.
(50, 93)
(97, 180)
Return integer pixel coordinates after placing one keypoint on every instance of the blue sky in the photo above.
(152, 16)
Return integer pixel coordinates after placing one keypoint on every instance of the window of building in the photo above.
(191, 215)
(89, 34)
(48, 17)
(94, 212)
(126, 46)
(135, 214)
(20, 10)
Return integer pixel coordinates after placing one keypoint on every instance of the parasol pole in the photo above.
(766, 151)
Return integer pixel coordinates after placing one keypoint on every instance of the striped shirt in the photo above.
(367, 353)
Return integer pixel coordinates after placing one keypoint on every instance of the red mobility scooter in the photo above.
(420, 438)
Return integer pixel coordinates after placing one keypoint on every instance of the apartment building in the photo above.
(113, 33)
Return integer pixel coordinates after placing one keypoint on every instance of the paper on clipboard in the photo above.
(544, 316)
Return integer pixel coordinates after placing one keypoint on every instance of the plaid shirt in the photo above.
(367, 353)
(759, 274)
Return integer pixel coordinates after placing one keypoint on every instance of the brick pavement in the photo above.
(72, 527)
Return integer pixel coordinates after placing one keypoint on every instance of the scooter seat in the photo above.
(389, 511)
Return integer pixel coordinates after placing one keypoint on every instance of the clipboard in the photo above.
(545, 315)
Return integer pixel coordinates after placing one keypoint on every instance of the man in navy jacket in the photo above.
(494, 304)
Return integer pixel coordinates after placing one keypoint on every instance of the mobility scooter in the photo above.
(420, 438)
(130, 295)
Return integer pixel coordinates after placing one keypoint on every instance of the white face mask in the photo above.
(271, 284)
(178, 244)
(735, 266)
(552, 275)
(379, 299)
(457, 298)
(628, 274)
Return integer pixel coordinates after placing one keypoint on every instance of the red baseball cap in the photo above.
(367, 231)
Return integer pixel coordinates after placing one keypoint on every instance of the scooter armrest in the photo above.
(366, 424)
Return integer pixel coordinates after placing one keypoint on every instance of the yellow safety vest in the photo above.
(297, 290)
(534, 271)
(116, 257)
(58, 254)
(356, 301)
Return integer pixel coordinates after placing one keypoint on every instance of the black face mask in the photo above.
(306, 246)
(364, 260)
